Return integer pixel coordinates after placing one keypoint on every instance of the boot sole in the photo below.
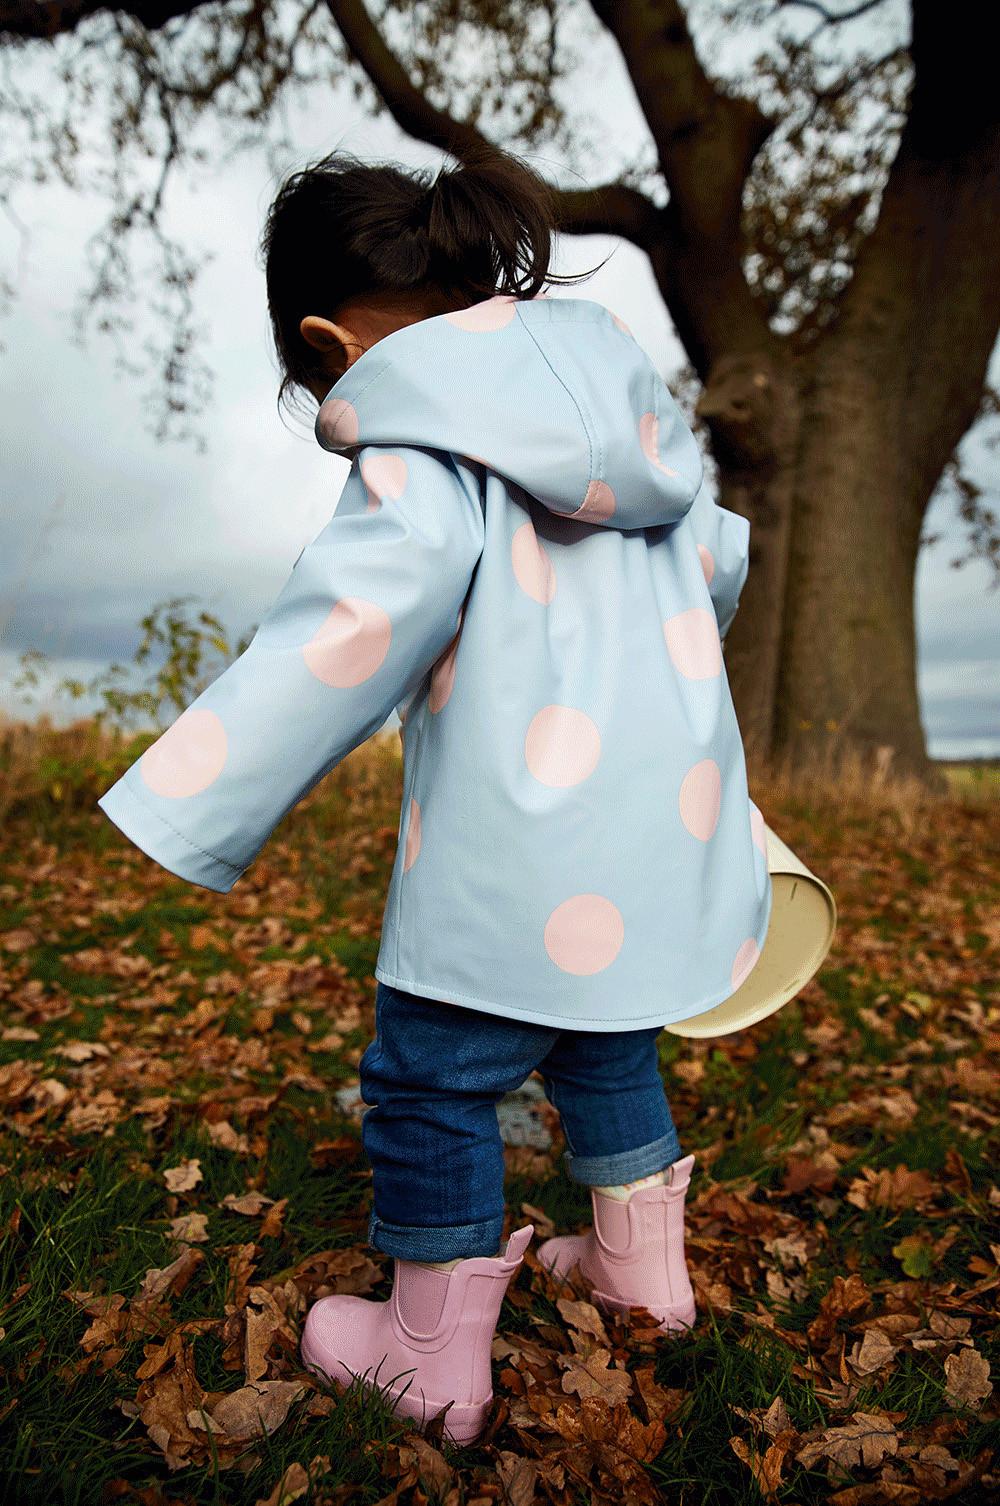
(462, 1424)
(670, 1319)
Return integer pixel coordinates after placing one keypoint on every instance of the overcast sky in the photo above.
(100, 522)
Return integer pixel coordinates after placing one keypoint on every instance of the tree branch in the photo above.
(43, 20)
(614, 209)
(924, 302)
(706, 140)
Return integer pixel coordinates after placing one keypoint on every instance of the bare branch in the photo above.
(409, 108)
(706, 139)
(614, 209)
(832, 18)
(42, 20)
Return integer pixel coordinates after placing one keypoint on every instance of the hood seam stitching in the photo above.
(586, 422)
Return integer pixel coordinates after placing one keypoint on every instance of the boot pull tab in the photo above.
(518, 1243)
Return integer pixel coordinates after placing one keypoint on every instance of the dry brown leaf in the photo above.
(873, 1351)
(224, 1137)
(271, 1227)
(968, 1374)
(191, 1228)
(82, 1051)
(594, 1376)
(296, 1481)
(173, 1278)
(250, 1204)
(865, 1440)
(169, 1394)
(898, 1188)
(878, 1493)
(584, 1317)
(266, 1322)
(765, 1467)
(349, 1272)
(518, 1478)
(660, 1401)
(183, 1177)
(430, 1466)
(847, 1295)
(260, 1407)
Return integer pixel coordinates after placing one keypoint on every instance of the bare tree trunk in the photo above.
(751, 407)
(848, 660)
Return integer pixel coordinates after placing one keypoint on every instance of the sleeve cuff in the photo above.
(159, 841)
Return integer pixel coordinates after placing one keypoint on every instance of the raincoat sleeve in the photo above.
(369, 606)
(723, 539)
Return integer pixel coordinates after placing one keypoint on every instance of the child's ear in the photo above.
(331, 339)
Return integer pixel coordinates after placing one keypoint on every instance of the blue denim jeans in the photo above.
(433, 1077)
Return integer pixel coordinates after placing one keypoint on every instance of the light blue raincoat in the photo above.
(525, 563)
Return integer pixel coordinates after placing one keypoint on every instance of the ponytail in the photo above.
(342, 228)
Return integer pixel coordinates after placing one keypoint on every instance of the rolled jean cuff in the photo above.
(450, 1242)
(625, 1165)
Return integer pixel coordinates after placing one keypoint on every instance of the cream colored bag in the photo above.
(803, 919)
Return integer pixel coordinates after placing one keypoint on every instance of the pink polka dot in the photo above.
(533, 570)
(692, 640)
(338, 422)
(188, 757)
(477, 458)
(481, 318)
(649, 438)
(598, 503)
(744, 962)
(584, 934)
(562, 746)
(622, 325)
(384, 476)
(701, 798)
(351, 644)
(757, 829)
(412, 849)
(443, 673)
(707, 563)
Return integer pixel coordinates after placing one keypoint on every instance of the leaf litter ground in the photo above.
(182, 1176)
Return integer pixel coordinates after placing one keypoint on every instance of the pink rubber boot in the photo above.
(634, 1254)
(428, 1345)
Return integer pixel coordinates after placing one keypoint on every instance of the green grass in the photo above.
(85, 1207)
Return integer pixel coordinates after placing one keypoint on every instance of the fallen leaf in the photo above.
(898, 1188)
(874, 1350)
(968, 1374)
(173, 1278)
(429, 1464)
(250, 1204)
(183, 1177)
(916, 1255)
(260, 1407)
(594, 1377)
(518, 1478)
(192, 1228)
(82, 1051)
(584, 1317)
(865, 1440)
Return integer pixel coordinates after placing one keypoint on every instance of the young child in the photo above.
(525, 563)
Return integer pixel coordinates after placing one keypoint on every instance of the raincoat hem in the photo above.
(572, 1022)
(158, 840)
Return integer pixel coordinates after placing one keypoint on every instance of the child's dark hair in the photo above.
(341, 228)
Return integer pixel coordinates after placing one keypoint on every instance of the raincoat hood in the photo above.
(561, 402)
